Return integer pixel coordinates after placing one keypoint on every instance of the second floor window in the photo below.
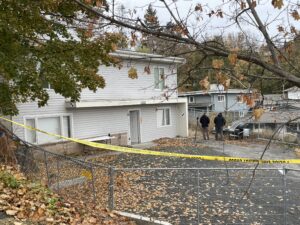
(191, 99)
(221, 98)
(159, 78)
(241, 113)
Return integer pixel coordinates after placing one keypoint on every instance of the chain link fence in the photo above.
(230, 117)
(177, 195)
(285, 133)
(209, 195)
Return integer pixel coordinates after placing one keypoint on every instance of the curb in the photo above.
(142, 220)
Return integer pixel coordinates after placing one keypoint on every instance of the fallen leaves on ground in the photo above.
(28, 201)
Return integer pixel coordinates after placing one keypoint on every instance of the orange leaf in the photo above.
(147, 69)
(295, 15)
(243, 5)
(114, 47)
(198, 7)
(217, 63)
(257, 113)
(293, 30)
(277, 3)
(204, 83)
(280, 29)
(232, 57)
(250, 102)
(132, 73)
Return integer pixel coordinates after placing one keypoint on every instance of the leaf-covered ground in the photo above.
(204, 196)
(178, 190)
(25, 202)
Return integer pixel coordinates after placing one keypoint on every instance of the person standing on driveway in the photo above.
(204, 120)
(219, 124)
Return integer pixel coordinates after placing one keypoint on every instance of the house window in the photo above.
(241, 113)
(221, 98)
(163, 117)
(191, 99)
(56, 124)
(159, 78)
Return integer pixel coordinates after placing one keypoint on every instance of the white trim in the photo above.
(112, 103)
(36, 117)
(140, 124)
(125, 54)
(170, 117)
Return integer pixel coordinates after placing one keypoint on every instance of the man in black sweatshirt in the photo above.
(204, 120)
(219, 124)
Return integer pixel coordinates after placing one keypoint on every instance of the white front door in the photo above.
(135, 127)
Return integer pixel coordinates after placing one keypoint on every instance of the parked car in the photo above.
(237, 130)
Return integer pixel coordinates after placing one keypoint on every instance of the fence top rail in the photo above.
(69, 158)
(202, 168)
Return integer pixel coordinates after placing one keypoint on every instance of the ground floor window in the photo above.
(163, 117)
(57, 124)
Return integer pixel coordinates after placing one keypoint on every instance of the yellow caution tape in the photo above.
(158, 153)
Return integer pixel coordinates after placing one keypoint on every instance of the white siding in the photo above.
(120, 87)
(294, 95)
(56, 105)
(94, 122)
(102, 121)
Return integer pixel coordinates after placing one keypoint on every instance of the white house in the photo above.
(132, 110)
(292, 93)
(217, 100)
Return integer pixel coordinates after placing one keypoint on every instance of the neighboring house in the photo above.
(217, 100)
(280, 102)
(270, 121)
(272, 101)
(292, 93)
(132, 110)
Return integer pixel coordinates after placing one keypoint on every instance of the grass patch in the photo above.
(9, 180)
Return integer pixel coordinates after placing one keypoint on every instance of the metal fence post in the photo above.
(111, 188)
(57, 176)
(198, 201)
(93, 184)
(284, 195)
(46, 165)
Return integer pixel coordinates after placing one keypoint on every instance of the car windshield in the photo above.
(236, 124)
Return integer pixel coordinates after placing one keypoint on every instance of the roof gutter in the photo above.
(123, 54)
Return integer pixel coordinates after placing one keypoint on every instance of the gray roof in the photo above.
(292, 89)
(203, 104)
(274, 97)
(229, 91)
(277, 117)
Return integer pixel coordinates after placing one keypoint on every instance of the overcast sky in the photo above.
(215, 25)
